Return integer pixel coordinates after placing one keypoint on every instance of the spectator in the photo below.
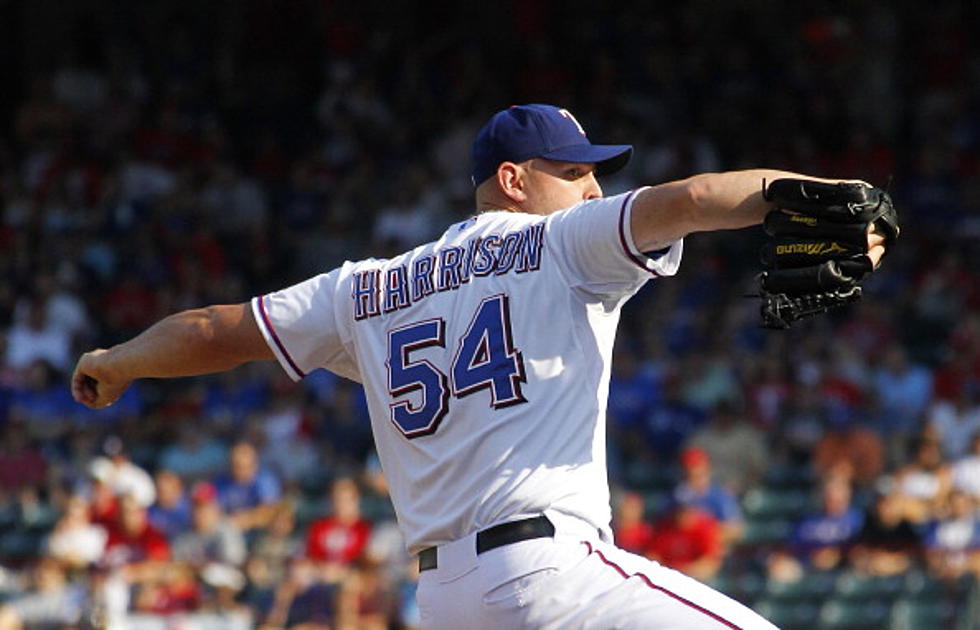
(822, 539)
(196, 455)
(669, 424)
(303, 601)
(133, 542)
(888, 543)
(768, 389)
(848, 447)
(737, 450)
(903, 390)
(953, 541)
(709, 382)
(633, 388)
(630, 527)
(688, 539)
(248, 494)
(232, 396)
(335, 541)
(966, 471)
(924, 482)
(408, 221)
(37, 338)
(41, 404)
(51, 600)
(956, 421)
(121, 475)
(168, 589)
(171, 514)
(366, 600)
(21, 464)
(633, 392)
(277, 544)
(802, 425)
(75, 541)
(386, 549)
(698, 488)
(213, 538)
(103, 503)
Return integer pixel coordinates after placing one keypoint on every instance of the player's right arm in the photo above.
(189, 343)
(710, 201)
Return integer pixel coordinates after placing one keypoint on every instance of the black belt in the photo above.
(497, 536)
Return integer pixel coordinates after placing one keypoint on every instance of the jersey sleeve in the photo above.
(594, 244)
(301, 326)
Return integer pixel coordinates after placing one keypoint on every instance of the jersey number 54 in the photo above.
(485, 358)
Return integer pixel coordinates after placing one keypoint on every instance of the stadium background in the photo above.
(161, 155)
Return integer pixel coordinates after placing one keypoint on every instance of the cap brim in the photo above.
(608, 158)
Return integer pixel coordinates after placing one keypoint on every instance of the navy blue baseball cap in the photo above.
(523, 132)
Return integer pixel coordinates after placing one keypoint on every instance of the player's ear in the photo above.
(512, 182)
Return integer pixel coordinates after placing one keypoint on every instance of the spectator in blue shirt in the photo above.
(903, 390)
(697, 488)
(248, 494)
(668, 425)
(196, 455)
(822, 539)
(171, 513)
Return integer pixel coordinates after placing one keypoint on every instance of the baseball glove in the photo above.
(817, 257)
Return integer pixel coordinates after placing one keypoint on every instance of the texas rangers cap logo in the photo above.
(567, 114)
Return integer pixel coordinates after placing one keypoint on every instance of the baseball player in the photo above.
(485, 358)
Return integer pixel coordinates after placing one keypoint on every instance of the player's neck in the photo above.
(496, 203)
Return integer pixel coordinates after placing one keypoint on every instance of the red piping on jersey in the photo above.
(622, 236)
(275, 338)
(649, 583)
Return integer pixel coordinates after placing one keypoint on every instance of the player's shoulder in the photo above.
(492, 220)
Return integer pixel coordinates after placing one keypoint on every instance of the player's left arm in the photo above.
(189, 343)
(710, 201)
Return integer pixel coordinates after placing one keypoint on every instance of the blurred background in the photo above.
(167, 154)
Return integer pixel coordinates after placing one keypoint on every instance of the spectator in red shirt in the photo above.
(632, 531)
(133, 541)
(339, 539)
(688, 539)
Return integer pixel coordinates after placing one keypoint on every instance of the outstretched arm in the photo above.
(198, 341)
(711, 201)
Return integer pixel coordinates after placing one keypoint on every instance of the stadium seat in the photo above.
(655, 502)
(841, 614)
(19, 544)
(788, 615)
(765, 531)
(308, 510)
(644, 475)
(741, 577)
(813, 586)
(854, 586)
(767, 503)
(8, 517)
(788, 477)
(376, 508)
(921, 586)
(914, 614)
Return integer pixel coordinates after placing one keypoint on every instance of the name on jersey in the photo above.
(377, 291)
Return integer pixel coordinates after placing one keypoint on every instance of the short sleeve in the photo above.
(595, 246)
(300, 324)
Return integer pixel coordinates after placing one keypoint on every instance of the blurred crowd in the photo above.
(161, 156)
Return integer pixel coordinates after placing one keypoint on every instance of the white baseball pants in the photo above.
(571, 581)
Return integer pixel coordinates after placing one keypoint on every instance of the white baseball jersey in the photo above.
(485, 358)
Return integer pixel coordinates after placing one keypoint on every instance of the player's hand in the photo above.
(876, 246)
(92, 384)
